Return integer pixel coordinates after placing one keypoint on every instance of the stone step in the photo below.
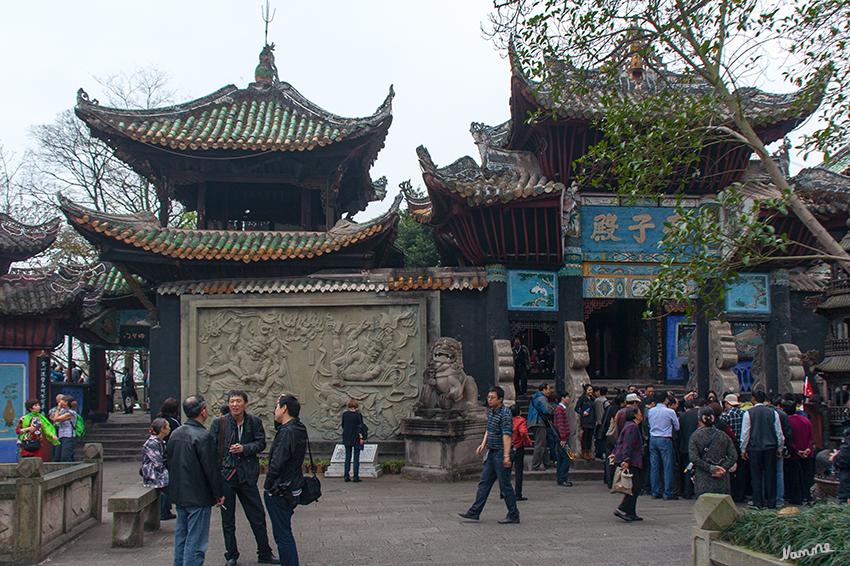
(574, 475)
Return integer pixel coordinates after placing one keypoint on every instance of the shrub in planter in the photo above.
(392, 466)
(815, 535)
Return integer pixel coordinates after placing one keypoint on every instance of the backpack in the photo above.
(79, 426)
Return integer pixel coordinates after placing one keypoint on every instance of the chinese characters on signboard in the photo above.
(636, 229)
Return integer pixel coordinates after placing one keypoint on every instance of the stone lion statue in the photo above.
(445, 379)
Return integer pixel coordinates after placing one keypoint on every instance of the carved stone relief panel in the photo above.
(325, 351)
(80, 500)
(52, 513)
(7, 524)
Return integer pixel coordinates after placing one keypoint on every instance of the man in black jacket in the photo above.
(284, 478)
(194, 483)
(237, 444)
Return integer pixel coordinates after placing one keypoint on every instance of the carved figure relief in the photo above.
(503, 361)
(790, 366)
(445, 381)
(6, 522)
(724, 356)
(324, 355)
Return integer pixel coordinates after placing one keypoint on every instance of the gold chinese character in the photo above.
(672, 219)
(603, 228)
(643, 222)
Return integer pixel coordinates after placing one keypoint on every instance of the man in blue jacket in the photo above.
(540, 413)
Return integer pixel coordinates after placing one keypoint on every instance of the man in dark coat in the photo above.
(284, 480)
(237, 444)
(194, 483)
(688, 423)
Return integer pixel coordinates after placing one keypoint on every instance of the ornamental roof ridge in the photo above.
(506, 175)
(19, 241)
(46, 289)
(585, 103)
(349, 227)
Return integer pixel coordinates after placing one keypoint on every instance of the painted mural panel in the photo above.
(532, 290)
(617, 281)
(680, 333)
(324, 354)
(749, 294)
(13, 392)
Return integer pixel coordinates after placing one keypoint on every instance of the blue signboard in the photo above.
(636, 229)
(532, 290)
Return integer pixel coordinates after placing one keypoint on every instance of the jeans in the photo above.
(191, 535)
(686, 483)
(280, 515)
(550, 437)
(763, 472)
(494, 469)
(780, 481)
(661, 454)
(164, 504)
(563, 468)
(249, 497)
(348, 457)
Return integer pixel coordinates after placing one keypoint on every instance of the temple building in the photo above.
(559, 253)
(275, 289)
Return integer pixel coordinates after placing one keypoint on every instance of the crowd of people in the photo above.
(60, 428)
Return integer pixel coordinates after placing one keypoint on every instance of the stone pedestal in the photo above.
(442, 447)
(368, 468)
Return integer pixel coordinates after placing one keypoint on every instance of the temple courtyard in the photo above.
(391, 520)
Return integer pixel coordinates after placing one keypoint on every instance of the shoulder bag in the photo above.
(311, 489)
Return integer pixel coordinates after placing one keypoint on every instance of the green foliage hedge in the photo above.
(769, 532)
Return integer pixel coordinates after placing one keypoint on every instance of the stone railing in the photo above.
(713, 513)
(44, 505)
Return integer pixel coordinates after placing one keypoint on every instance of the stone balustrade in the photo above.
(43, 505)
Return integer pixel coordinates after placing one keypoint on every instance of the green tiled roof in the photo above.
(483, 186)
(143, 231)
(112, 282)
(839, 162)
(262, 117)
(19, 242)
(376, 281)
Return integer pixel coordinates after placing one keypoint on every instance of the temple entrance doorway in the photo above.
(539, 337)
(619, 340)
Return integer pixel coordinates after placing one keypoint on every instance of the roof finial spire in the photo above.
(267, 19)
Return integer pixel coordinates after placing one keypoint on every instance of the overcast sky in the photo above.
(340, 54)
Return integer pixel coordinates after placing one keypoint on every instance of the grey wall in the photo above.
(463, 316)
(165, 353)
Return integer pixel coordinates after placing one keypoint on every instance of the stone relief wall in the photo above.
(325, 355)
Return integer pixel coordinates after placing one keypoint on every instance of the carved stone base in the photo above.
(443, 450)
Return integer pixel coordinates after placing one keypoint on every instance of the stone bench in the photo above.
(134, 511)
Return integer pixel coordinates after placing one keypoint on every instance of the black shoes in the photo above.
(622, 515)
(508, 521)
(468, 515)
(635, 518)
(347, 479)
(672, 498)
(565, 483)
(168, 517)
(270, 559)
(357, 480)
(656, 496)
(521, 498)
(230, 562)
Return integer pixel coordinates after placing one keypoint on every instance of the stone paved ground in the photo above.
(392, 521)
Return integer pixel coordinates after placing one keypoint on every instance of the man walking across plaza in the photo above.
(562, 428)
(284, 480)
(497, 463)
(194, 483)
(761, 444)
(238, 438)
(663, 423)
(539, 415)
